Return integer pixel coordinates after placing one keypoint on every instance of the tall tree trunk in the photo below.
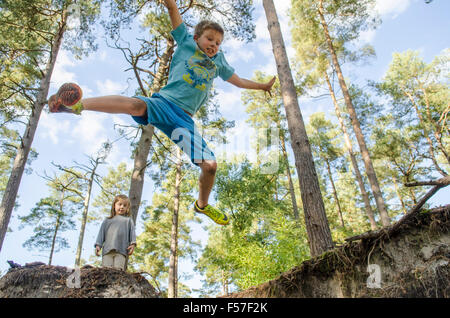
(317, 226)
(356, 127)
(52, 249)
(291, 184)
(12, 187)
(348, 144)
(145, 142)
(333, 187)
(173, 268)
(140, 164)
(85, 214)
(61, 206)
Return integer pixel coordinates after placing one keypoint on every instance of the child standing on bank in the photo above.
(117, 236)
(195, 63)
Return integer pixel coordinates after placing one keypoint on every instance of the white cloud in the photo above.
(120, 153)
(265, 47)
(109, 87)
(51, 126)
(60, 73)
(282, 8)
(367, 36)
(87, 92)
(100, 55)
(90, 132)
(393, 8)
(242, 142)
(235, 51)
(261, 31)
(384, 9)
(309, 106)
(269, 68)
(229, 100)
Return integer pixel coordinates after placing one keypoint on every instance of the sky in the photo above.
(64, 138)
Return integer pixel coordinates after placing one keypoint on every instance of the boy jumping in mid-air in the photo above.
(195, 63)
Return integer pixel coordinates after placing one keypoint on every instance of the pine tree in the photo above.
(48, 21)
(323, 135)
(53, 215)
(339, 11)
(315, 218)
(419, 92)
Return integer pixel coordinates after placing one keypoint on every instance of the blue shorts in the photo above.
(177, 125)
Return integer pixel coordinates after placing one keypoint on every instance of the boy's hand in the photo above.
(268, 86)
(97, 250)
(131, 249)
(249, 84)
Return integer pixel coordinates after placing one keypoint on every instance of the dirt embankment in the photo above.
(409, 259)
(37, 280)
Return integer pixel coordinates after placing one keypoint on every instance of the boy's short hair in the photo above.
(207, 24)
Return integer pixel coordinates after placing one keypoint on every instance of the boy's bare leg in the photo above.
(206, 181)
(115, 104)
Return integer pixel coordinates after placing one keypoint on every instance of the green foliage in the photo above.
(53, 215)
(116, 181)
(263, 239)
(48, 220)
(20, 51)
(153, 245)
(30, 36)
(346, 19)
(332, 164)
(323, 135)
(419, 94)
(9, 143)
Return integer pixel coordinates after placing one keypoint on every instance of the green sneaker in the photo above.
(213, 213)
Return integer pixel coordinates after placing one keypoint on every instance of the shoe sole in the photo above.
(69, 94)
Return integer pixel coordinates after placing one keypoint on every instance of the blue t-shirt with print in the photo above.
(192, 72)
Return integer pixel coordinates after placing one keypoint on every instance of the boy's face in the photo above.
(209, 42)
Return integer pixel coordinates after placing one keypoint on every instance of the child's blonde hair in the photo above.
(117, 198)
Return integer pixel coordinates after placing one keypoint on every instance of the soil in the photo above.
(37, 280)
(410, 259)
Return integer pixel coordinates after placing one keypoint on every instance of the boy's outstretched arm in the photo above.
(248, 84)
(174, 13)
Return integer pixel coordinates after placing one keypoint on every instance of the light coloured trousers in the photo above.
(114, 259)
